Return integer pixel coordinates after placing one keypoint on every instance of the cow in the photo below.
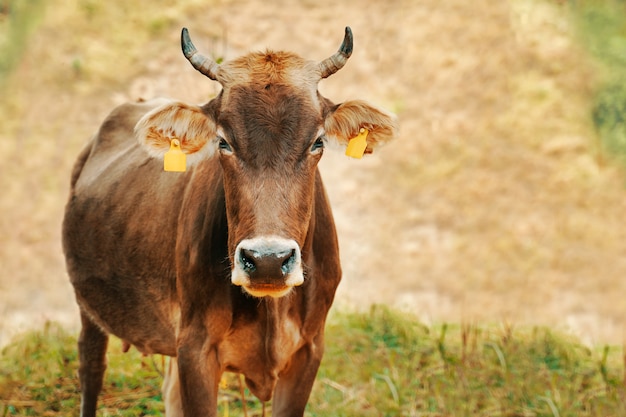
(230, 264)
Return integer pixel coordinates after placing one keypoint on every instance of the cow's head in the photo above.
(268, 127)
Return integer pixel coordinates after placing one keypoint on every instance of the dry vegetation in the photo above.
(495, 204)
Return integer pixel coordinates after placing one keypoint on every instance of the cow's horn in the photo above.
(200, 62)
(331, 65)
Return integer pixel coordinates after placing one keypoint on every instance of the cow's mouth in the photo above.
(267, 290)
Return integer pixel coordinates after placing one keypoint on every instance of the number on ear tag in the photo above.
(358, 144)
(175, 160)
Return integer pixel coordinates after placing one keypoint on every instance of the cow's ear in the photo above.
(195, 131)
(348, 118)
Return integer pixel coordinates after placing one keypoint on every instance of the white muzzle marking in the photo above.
(267, 266)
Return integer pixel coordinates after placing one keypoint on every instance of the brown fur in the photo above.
(149, 253)
(269, 67)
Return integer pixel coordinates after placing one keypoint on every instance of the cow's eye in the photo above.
(318, 144)
(224, 146)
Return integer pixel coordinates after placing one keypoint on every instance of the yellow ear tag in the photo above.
(175, 160)
(356, 146)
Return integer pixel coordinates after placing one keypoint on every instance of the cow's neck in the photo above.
(281, 323)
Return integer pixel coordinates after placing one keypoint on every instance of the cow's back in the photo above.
(119, 234)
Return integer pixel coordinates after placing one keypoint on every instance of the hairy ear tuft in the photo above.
(349, 117)
(175, 120)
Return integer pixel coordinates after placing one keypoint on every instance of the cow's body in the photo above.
(160, 259)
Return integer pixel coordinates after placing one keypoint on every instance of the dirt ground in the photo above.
(494, 205)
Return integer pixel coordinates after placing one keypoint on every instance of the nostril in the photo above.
(246, 257)
(289, 262)
(266, 261)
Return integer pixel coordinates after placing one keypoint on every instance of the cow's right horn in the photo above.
(332, 64)
(200, 62)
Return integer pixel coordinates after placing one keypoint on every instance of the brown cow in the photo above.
(232, 265)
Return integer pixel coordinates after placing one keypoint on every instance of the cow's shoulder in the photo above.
(114, 153)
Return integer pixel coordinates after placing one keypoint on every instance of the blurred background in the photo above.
(503, 200)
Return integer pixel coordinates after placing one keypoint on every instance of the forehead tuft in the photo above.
(270, 67)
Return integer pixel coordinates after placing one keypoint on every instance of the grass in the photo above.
(601, 26)
(18, 18)
(378, 363)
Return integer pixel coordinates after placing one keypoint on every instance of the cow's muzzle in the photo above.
(267, 266)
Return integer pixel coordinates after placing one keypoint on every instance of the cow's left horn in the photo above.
(200, 62)
(331, 65)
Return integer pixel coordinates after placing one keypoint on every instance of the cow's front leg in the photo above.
(295, 383)
(199, 374)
